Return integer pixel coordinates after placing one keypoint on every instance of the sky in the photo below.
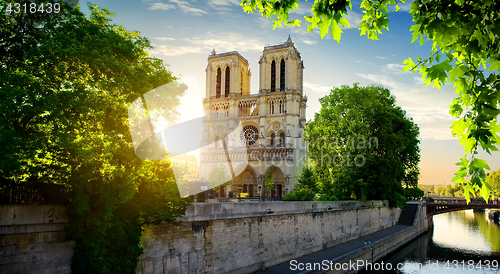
(184, 32)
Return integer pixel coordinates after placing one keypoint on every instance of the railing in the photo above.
(251, 155)
(32, 193)
(442, 206)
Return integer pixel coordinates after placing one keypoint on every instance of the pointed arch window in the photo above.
(282, 75)
(218, 85)
(272, 139)
(217, 141)
(226, 89)
(273, 76)
(241, 83)
(282, 139)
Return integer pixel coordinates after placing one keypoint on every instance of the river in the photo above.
(459, 242)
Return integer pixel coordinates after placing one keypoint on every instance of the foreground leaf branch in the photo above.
(465, 52)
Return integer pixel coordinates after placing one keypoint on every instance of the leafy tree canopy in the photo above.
(306, 187)
(269, 181)
(66, 83)
(465, 52)
(362, 145)
(493, 179)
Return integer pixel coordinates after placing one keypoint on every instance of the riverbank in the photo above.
(355, 255)
(212, 237)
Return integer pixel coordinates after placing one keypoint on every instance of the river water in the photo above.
(459, 242)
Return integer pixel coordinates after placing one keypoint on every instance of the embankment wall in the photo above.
(212, 237)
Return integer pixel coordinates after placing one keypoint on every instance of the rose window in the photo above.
(249, 135)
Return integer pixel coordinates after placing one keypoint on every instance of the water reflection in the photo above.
(465, 236)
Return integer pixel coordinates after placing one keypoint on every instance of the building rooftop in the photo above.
(217, 55)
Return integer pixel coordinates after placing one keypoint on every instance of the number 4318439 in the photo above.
(33, 8)
(471, 265)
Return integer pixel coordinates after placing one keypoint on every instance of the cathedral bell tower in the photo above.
(281, 68)
(227, 74)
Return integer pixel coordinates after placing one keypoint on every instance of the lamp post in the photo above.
(268, 211)
(259, 189)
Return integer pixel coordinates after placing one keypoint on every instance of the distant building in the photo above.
(268, 132)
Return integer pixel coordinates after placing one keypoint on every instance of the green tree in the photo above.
(465, 52)
(437, 191)
(413, 192)
(493, 179)
(67, 82)
(363, 146)
(449, 191)
(306, 187)
(268, 181)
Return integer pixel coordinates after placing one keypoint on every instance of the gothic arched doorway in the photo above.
(245, 182)
(278, 178)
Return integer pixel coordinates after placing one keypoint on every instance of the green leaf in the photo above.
(485, 191)
(463, 163)
(478, 164)
(325, 27)
(384, 8)
(336, 31)
(468, 189)
(409, 64)
(439, 72)
(455, 108)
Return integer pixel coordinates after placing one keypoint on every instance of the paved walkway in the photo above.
(335, 252)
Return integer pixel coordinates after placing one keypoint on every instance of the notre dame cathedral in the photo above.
(255, 137)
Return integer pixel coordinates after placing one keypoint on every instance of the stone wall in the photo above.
(381, 248)
(32, 240)
(212, 237)
(231, 238)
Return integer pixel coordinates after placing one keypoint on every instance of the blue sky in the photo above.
(184, 33)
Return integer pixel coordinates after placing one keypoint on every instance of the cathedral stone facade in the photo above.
(255, 136)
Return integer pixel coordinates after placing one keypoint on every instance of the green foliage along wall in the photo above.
(67, 80)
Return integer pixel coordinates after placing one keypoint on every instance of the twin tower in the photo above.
(255, 136)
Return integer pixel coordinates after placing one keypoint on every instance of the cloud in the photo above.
(404, 6)
(393, 85)
(222, 42)
(310, 42)
(424, 115)
(436, 131)
(395, 68)
(383, 80)
(182, 5)
(223, 2)
(302, 10)
(176, 51)
(380, 57)
(354, 19)
(317, 88)
(431, 115)
(164, 38)
(161, 6)
(187, 8)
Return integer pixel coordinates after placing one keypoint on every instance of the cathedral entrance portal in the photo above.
(246, 182)
(276, 191)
